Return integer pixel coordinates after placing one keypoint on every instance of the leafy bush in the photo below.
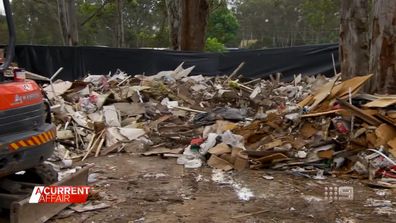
(213, 45)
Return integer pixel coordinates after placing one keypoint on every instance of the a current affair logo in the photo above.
(59, 194)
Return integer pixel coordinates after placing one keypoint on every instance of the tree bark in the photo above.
(120, 42)
(72, 22)
(383, 48)
(62, 20)
(68, 21)
(193, 24)
(354, 42)
(174, 14)
(188, 20)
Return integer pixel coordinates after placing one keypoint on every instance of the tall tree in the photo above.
(354, 38)
(383, 47)
(285, 23)
(34, 27)
(193, 24)
(322, 17)
(68, 21)
(188, 20)
(174, 11)
(120, 24)
(222, 24)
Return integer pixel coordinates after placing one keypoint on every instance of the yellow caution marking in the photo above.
(47, 138)
(14, 146)
(42, 138)
(30, 142)
(50, 134)
(36, 140)
(22, 143)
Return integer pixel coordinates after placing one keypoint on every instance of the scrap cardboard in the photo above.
(219, 163)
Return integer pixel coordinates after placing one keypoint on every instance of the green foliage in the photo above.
(284, 23)
(100, 29)
(213, 45)
(145, 22)
(245, 23)
(322, 16)
(3, 30)
(222, 25)
(36, 22)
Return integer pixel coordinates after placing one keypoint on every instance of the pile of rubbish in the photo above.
(312, 127)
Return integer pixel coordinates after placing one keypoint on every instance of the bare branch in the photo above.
(95, 13)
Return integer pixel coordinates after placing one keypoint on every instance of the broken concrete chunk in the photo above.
(89, 207)
(113, 136)
(301, 154)
(169, 104)
(100, 99)
(131, 133)
(94, 79)
(268, 177)
(111, 116)
(131, 109)
(96, 117)
(198, 87)
(80, 119)
(64, 134)
(195, 78)
(255, 92)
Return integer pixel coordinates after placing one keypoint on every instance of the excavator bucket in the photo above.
(23, 211)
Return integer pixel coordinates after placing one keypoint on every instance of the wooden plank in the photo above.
(321, 113)
(380, 103)
(360, 113)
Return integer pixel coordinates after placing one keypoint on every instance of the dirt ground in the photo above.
(151, 189)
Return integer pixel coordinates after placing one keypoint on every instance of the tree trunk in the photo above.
(193, 24)
(72, 22)
(188, 20)
(383, 47)
(120, 39)
(68, 21)
(354, 43)
(174, 15)
(62, 20)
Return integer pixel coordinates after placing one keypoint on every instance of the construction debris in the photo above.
(312, 127)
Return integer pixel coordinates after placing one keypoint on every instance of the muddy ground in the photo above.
(151, 189)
